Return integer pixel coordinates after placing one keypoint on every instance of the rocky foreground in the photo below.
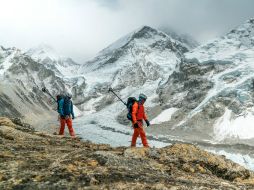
(33, 160)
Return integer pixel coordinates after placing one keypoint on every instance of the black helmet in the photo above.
(142, 97)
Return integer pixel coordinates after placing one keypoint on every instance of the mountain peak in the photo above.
(251, 21)
(45, 48)
(144, 32)
(249, 24)
(43, 51)
(245, 30)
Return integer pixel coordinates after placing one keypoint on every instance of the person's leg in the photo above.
(62, 126)
(134, 137)
(143, 136)
(69, 124)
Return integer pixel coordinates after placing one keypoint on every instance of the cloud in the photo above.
(81, 28)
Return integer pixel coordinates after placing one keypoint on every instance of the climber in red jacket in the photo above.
(138, 115)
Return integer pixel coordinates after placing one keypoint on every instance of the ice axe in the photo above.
(111, 90)
(45, 90)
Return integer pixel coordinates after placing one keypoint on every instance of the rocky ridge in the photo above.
(35, 160)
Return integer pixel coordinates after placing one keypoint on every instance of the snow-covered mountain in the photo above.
(204, 94)
(138, 62)
(48, 56)
(64, 68)
(213, 90)
(22, 78)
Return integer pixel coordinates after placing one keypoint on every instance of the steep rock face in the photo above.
(65, 163)
(64, 68)
(19, 92)
(213, 88)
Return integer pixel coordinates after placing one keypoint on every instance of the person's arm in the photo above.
(134, 113)
(146, 119)
(72, 112)
(60, 108)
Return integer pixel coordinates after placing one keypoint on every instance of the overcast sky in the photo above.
(81, 28)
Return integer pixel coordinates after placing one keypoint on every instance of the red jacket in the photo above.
(138, 112)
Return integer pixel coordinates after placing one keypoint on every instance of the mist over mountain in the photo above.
(189, 41)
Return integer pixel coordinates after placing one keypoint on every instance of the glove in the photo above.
(147, 123)
(73, 117)
(136, 125)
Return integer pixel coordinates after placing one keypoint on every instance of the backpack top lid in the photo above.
(131, 101)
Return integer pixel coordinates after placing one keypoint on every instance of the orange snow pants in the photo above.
(139, 131)
(69, 124)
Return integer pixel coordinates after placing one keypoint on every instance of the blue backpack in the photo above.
(130, 103)
(67, 106)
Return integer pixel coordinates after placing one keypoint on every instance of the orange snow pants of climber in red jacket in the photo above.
(139, 132)
(138, 115)
(67, 121)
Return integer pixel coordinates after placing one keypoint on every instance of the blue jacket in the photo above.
(65, 109)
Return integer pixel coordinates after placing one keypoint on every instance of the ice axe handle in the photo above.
(47, 92)
(111, 90)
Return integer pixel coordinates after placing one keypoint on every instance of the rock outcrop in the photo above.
(33, 160)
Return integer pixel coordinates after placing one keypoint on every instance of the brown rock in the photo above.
(186, 167)
(38, 178)
(159, 187)
(200, 169)
(136, 152)
(71, 168)
(6, 122)
(1, 177)
(217, 165)
(92, 163)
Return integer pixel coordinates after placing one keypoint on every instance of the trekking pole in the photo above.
(111, 90)
(45, 90)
